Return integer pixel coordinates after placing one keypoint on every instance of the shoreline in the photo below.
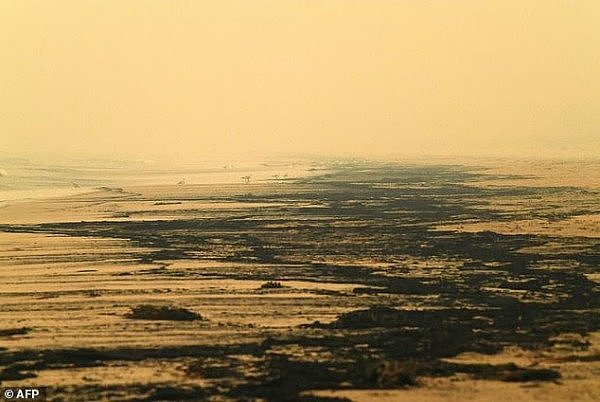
(282, 276)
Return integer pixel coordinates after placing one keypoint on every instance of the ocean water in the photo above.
(25, 179)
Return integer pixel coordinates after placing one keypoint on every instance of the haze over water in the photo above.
(24, 179)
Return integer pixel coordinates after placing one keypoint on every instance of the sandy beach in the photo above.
(367, 282)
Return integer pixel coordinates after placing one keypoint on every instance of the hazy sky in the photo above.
(189, 78)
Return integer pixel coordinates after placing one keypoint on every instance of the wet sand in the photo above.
(398, 282)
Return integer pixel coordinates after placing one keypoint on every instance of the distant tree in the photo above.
(246, 179)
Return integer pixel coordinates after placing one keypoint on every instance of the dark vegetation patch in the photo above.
(391, 374)
(508, 372)
(272, 285)
(17, 371)
(93, 293)
(150, 312)
(529, 374)
(212, 368)
(176, 393)
(15, 331)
